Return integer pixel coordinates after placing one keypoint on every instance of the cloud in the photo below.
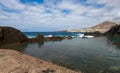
(52, 15)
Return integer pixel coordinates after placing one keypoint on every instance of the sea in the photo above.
(89, 55)
(50, 34)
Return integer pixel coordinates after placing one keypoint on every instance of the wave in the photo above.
(48, 36)
(80, 35)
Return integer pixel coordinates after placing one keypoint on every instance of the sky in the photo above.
(55, 15)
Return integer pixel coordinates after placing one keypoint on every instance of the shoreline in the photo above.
(16, 62)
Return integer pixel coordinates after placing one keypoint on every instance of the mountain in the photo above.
(102, 27)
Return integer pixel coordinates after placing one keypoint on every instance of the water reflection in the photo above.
(40, 44)
(114, 40)
(15, 46)
(94, 55)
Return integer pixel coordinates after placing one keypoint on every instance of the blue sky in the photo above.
(54, 15)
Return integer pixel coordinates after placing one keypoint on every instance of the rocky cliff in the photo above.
(114, 31)
(15, 62)
(11, 35)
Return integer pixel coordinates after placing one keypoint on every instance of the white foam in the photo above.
(88, 36)
(80, 35)
(49, 36)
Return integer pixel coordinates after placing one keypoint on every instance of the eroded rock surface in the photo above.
(14, 62)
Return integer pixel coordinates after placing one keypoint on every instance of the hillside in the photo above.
(102, 27)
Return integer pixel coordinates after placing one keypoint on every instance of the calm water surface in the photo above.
(93, 55)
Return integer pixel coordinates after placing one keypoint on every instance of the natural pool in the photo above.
(93, 55)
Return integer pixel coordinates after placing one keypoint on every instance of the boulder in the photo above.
(11, 35)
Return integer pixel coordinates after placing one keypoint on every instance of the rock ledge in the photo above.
(15, 62)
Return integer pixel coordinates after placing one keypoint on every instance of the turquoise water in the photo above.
(93, 55)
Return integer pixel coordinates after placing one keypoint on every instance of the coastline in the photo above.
(16, 62)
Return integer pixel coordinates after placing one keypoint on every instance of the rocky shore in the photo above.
(10, 35)
(15, 62)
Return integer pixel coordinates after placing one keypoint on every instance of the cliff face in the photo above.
(114, 31)
(11, 35)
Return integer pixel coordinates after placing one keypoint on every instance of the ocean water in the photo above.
(49, 34)
(92, 55)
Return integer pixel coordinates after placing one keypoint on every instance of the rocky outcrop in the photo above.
(15, 62)
(54, 38)
(114, 31)
(95, 34)
(11, 35)
(38, 38)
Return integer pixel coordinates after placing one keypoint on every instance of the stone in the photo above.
(38, 38)
(11, 35)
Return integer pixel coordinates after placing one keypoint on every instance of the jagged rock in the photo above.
(11, 35)
(39, 38)
(15, 62)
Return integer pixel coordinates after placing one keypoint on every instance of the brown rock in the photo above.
(54, 38)
(14, 62)
(95, 34)
(11, 35)
(39, 38)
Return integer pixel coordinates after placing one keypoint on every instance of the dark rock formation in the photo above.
(39, 38)
(114, 31)
(95, 34)
(11, 35)
(54, 38)
(68, 37)
(117, 43)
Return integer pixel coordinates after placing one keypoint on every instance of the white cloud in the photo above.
(39, 17)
